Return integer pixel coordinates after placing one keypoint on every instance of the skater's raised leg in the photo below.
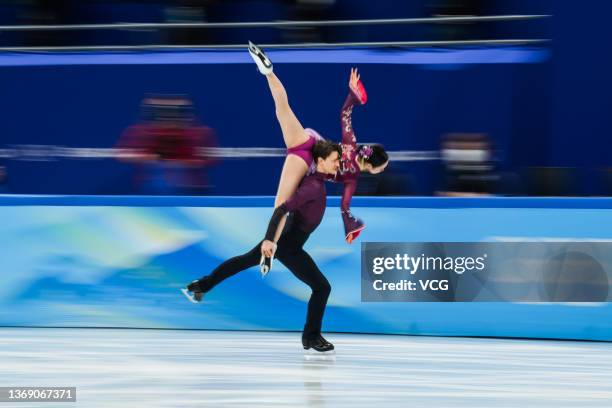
(195, 290)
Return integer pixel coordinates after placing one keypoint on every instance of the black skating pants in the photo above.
(291, 253)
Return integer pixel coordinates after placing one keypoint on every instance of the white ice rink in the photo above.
(164, 368)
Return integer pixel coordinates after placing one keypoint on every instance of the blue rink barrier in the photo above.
(473, 55)
(120, 261)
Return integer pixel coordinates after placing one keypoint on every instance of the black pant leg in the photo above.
(304, 268)
(231, 267)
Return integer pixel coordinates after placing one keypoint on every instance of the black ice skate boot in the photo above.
(193, 292)
(318, 344)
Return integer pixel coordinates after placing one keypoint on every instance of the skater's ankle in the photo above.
(202, 285)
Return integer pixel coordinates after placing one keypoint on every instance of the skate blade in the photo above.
(320, 357)
(188, 296)
(264, 269)
(314, 353)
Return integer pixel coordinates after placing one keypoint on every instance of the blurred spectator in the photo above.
(606, 181)
(168, 147)
(189, 11)
(46, 12)
(468, 168)
(3, 181)
(455, 31)
(308, 10)
(551, 181)
(394, 181)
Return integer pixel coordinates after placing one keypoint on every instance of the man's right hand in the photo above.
(268, 248)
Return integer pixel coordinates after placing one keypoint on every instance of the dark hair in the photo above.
(323, 148)
(374, 154)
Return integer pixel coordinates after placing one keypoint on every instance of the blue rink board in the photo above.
(464, 55)
(119, 261)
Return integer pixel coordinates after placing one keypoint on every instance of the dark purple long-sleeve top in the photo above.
(349, 167)
(307, 205)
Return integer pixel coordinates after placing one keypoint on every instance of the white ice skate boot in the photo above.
(264, 65)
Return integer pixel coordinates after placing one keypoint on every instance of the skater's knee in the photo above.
(322, 288)
(327, 288)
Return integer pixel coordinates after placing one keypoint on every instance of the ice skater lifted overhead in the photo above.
(299, 141)
(309, 163)
(307, 206)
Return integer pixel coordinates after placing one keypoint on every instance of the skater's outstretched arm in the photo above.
(347, 195)
(352, 225)
(357, 96)
(302, 196)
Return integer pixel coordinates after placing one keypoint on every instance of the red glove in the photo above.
(361, 93)
(352, 226)
(353, 235)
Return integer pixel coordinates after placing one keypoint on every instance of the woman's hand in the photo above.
(354, 81)
(356, 86)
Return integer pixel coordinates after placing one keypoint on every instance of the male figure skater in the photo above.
(307, 206)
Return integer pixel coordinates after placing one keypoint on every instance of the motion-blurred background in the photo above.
(480, 118)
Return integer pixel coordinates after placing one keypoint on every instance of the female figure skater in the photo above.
(299, 142)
